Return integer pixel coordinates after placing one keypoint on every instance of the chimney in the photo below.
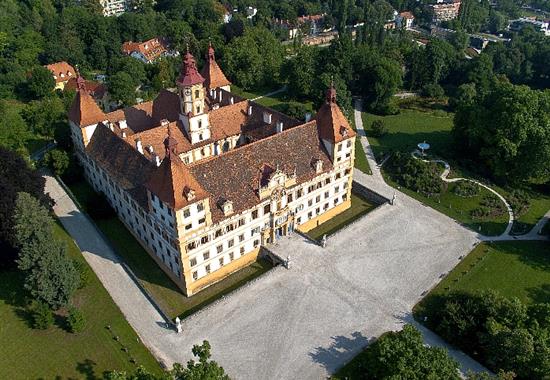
(139, 146)
(150, 149)
(249, 110)
(279, 127)
(122, 124)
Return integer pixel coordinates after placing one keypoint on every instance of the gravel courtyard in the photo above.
(305, 322)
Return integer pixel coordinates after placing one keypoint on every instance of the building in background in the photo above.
(148, 51)
(114, 7)
(445, 11)
(97, 90)
(404, 20)
(542, 26)
(203, 178)
(62, 72)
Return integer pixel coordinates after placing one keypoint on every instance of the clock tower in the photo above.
(192, 101)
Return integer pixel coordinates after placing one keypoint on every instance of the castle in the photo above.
(203, 178)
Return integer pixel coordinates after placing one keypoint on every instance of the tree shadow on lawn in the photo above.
(86, 368)
(341, 351)
(539, 294)
(536, 255)
(13, 294)
(441, 142)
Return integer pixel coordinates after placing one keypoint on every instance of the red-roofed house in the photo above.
(404, 20)
(61, 72)
(148, 51)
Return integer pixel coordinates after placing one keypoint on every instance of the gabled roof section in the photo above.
(333, 125)
(61, 71)
(172, 181)
(213, 75)
(84, 111)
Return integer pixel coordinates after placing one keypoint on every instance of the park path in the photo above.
(377, 183)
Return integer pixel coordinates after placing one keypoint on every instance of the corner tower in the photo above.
(192, 101)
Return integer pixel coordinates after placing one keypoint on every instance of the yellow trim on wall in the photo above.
(315, 222)
(223, 272)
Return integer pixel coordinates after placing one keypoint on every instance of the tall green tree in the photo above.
(40, 83)
(403, 355)
(300, 72)
(50, 275)
(122, 88)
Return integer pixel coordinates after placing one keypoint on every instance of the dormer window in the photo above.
(227, 207)
(189, 194)
(318, 166)
(197, 93)
(343, 131)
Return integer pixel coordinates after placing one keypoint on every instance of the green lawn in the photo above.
(26, 353)
(409, 128)
(359, 207)
(514, 269)
(168, 296)
(539, 205)
(459, 208)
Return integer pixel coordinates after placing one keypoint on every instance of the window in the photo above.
(317, 210)
(206, 255)
(299, 220)
(193, 262)
(219, 248)
(317, 199)
(202, 220)
(289, 198)
(310, 203)
(348, 144)
(200, 207)
(254, 214)
(241, 238)
(348, 155)
(221, 261)
(326, 194)
(207, 268)
(231, 256)
(267, 209)
(241, 222)
(336, 189)
(309, 215)
(339, 147)
(299, 193)
(205, 239)
(198, 109)
(188, 227)
(338, 175)
(310, 188)
(348, 171)
(256, 243)
(231, 243)
(242, 251)
(335, 201)
(327, 180)
(197, 93)
(186, 213)
(200, 124)
(325, 207)
(218, 233)
(255, 231)
(195, 275)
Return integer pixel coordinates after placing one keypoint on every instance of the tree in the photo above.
(50, 275)
(402, 354)
(13, 129)
(379, 128)
(57, 160)
(40, 82)
(300, 72)
(42, 316)
(76, 320)
(508, 131)
(203, 369)
(15, 176)
(122, 88)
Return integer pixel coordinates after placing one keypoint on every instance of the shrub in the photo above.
(83, 272)
(57, 160)
(379, 128)
(415, 174)
(75, 320)
(42, 316)
(519, 201)
(99, 207)
(466, 189)
(433, 91)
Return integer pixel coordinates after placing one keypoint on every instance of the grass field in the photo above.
(26, 353)
(514, 269)
(539, 205)
(409, 128)
(278, 101)
(168, 296)
(359, 207)
(459, 208)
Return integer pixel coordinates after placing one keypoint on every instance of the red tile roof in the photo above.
(213, 75)
(406, 15)
(96, 89)
(61, 71)
(333, 125)
(150, 49)
(172, 181)
(84, 111)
